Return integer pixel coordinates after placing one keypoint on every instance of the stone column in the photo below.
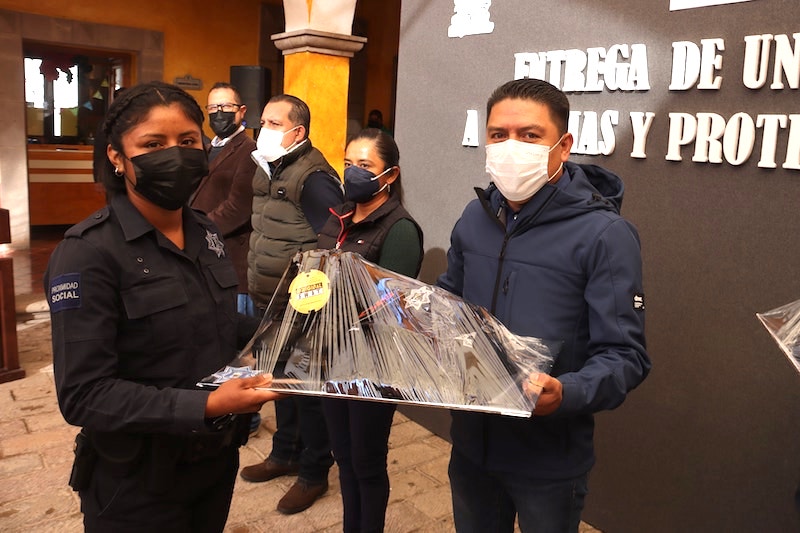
(317, 47)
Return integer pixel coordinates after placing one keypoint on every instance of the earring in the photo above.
(118, 173)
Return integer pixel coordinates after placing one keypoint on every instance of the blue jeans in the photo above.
(486, 501)
(245, 306)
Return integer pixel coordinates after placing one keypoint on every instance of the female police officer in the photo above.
(143, 304)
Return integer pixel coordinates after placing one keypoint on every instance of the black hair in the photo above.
(225, 85)
(130, 108)
(299, 114)
(537, 91)
(388, 151)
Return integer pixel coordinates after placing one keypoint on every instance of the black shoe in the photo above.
(266, 470)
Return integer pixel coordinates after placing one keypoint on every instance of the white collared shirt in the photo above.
(216, 141)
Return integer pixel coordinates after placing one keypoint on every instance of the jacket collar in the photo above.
(292, 156)
(228, 148)
(590, 188)
(348, 208)
(133, 223)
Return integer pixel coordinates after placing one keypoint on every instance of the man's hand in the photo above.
(241, 395)
(549, 390)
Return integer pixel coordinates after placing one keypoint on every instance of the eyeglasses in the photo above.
(227, 107)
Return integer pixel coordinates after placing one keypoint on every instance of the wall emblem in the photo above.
(471, 18)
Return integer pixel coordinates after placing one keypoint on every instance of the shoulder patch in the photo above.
(65, 292)
(638, 301)
(98, 217)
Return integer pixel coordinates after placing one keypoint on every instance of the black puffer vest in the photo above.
(366, 237)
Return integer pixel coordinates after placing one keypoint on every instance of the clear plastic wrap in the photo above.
(783, 323)
(351, 328)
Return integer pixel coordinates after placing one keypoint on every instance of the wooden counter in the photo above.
(61, 187)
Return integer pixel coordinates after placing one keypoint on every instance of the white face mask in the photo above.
(519, 169)
(268, 144)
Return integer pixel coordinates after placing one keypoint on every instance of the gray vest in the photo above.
(280, 228)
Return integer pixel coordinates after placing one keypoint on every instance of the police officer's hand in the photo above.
(549, 390)
(241, 395)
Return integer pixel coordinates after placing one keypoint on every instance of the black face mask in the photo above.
(169, 177)
(223, 123)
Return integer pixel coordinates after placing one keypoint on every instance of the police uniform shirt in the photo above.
(137, 322)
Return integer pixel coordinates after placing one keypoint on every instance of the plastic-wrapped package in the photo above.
(351, 328)
(783, 323)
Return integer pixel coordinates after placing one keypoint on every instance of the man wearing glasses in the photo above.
(226, 194)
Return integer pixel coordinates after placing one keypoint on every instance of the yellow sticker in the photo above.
(309, 291)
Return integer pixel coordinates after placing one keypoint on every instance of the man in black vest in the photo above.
(293, 188)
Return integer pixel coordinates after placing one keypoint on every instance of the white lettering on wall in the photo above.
(640, 124)
(769, 62)
(692, 64)
(620, 68)
(585, 126)
(756, 60)
(716, 139)
(787, 61)
(769, 125)
(757, 54)
(793, 146)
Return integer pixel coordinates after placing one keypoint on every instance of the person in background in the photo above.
(99, 155)
(373, 223)
(293, 188)
(142, 299)
(226, 194)
(375, 120)
(545, 250)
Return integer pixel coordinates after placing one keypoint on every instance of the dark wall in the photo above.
(710, 441)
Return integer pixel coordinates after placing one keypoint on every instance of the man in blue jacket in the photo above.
(545, 249)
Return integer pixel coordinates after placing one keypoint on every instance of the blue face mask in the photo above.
(360, 184)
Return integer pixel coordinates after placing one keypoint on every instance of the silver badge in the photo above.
(215, 243)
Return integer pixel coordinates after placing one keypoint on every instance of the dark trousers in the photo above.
(489, 501)
(302, 437)
(197, 498)
(359, 433)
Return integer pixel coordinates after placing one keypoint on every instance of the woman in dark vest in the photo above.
(373, 223)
